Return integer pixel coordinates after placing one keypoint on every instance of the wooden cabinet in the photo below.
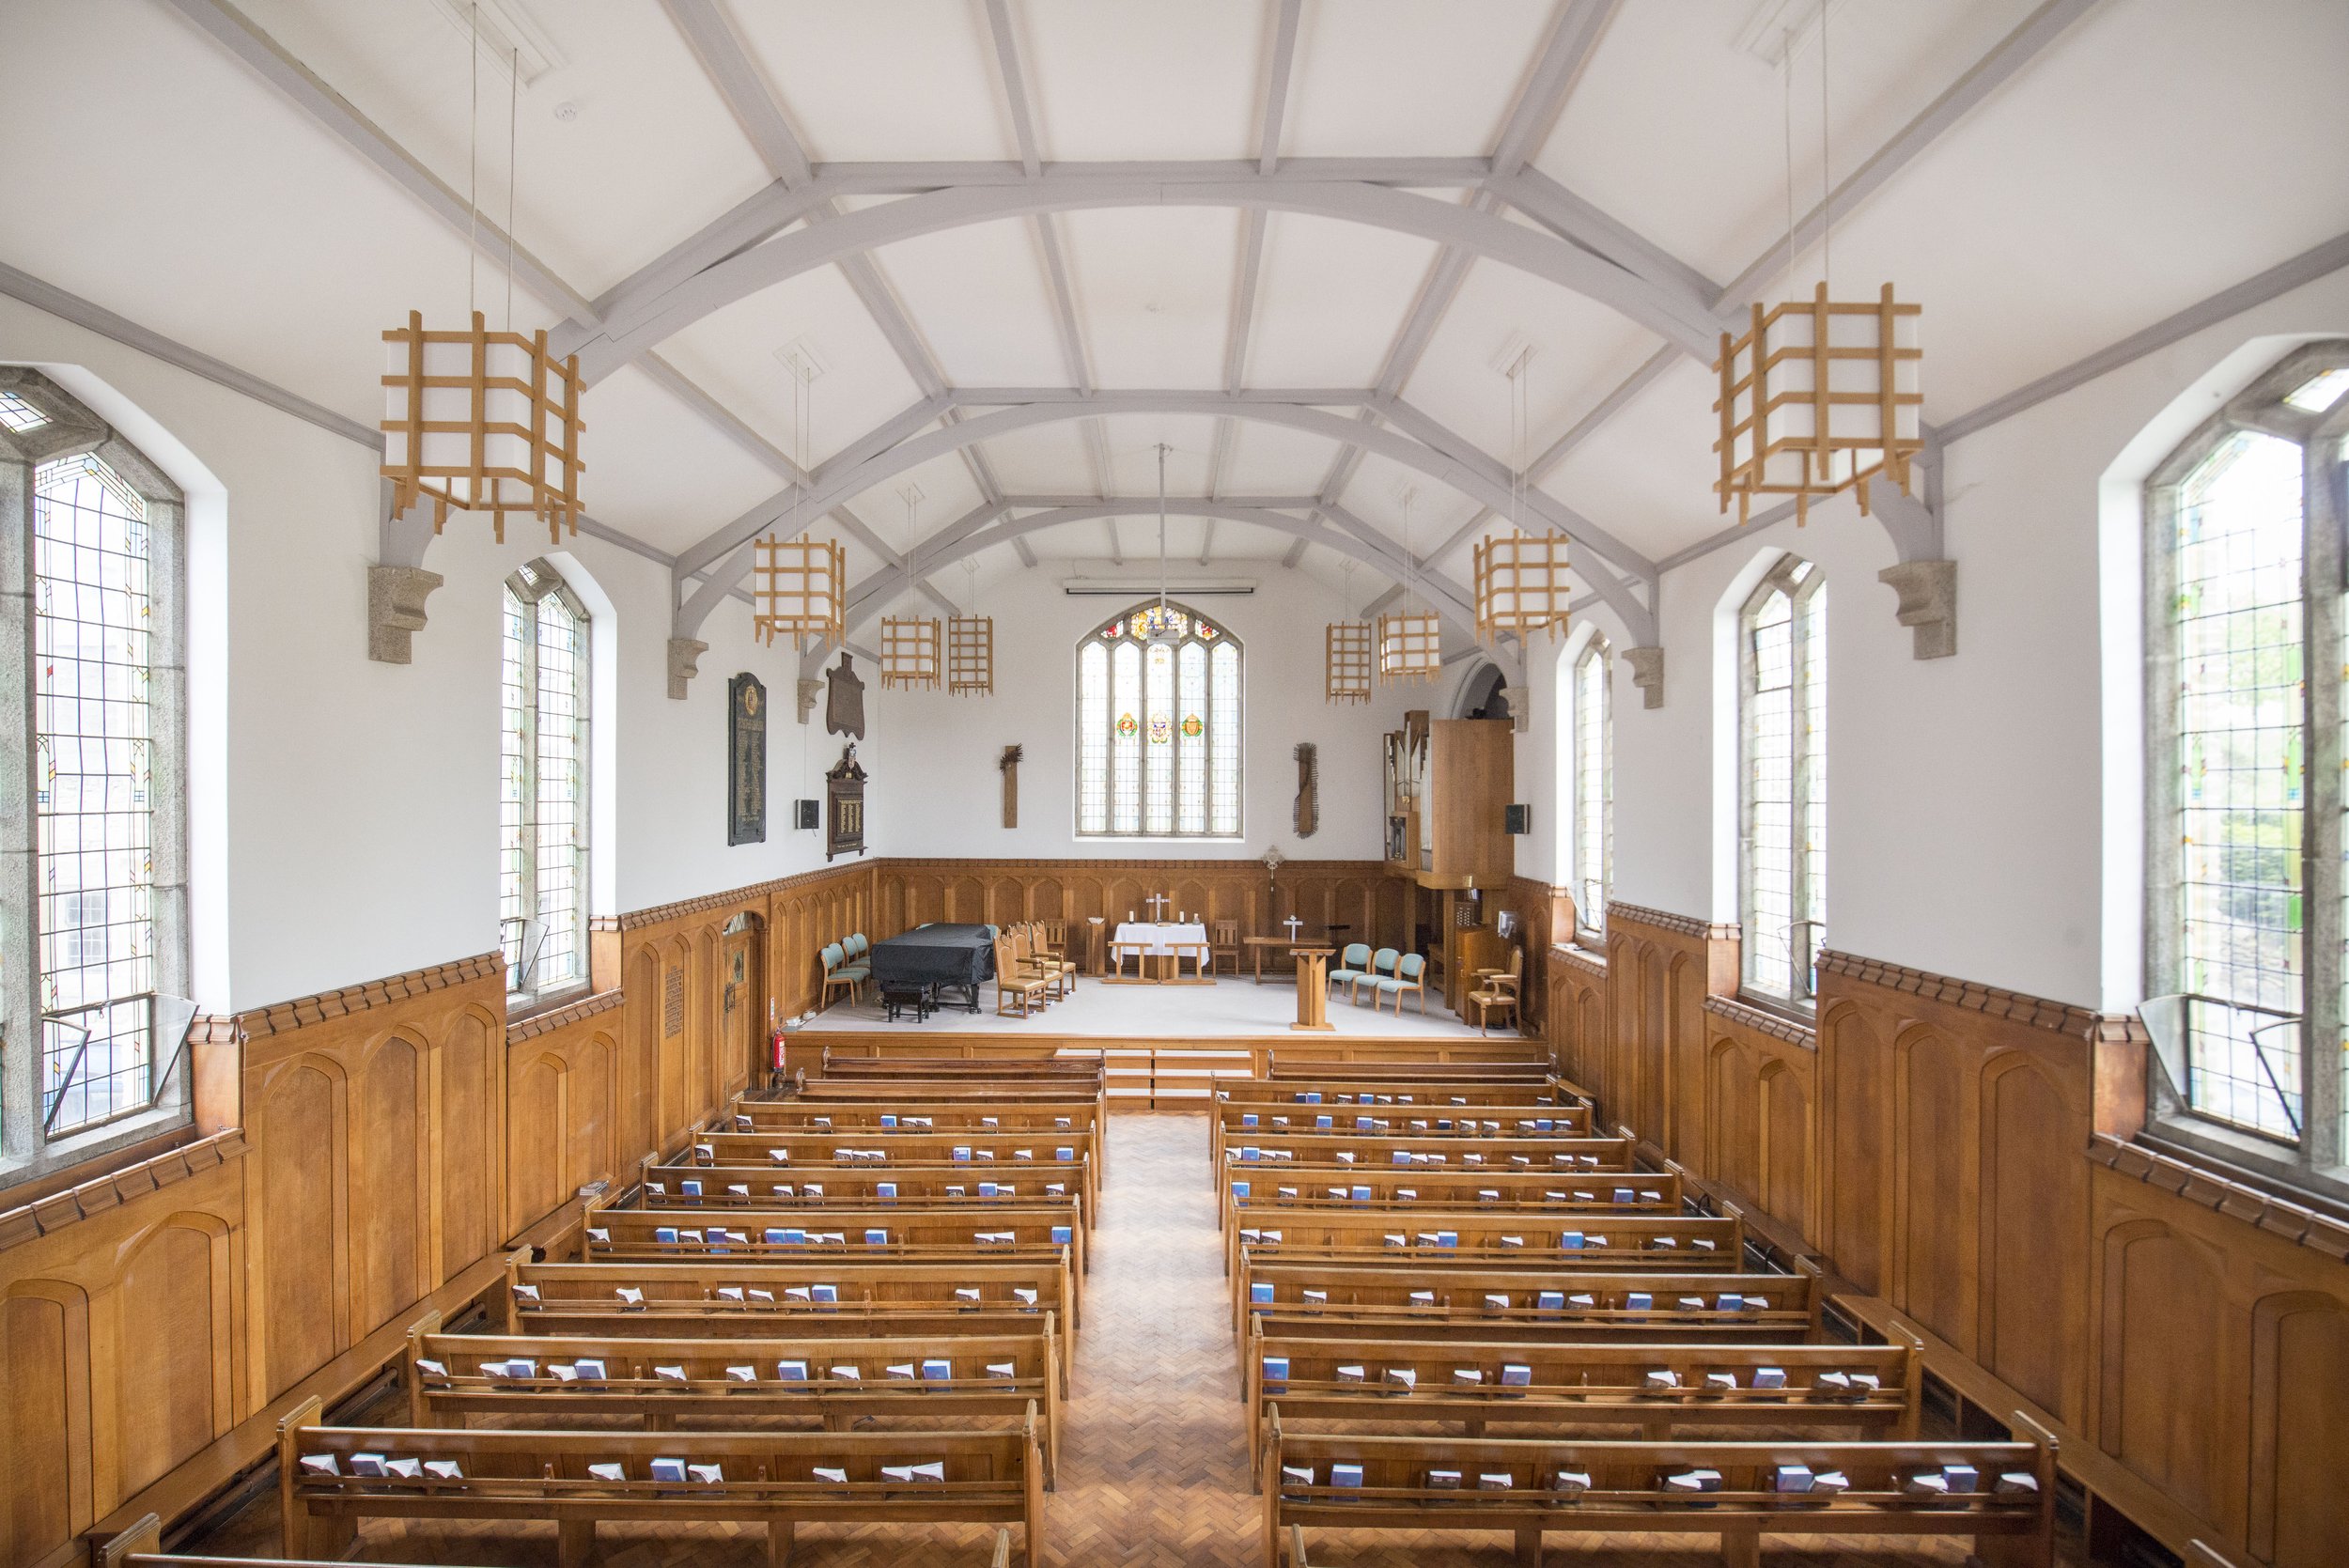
(1448, 784)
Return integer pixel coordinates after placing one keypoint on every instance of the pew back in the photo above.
(816, 1188)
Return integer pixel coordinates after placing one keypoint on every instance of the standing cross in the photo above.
(1293, 922)
(1158, 902)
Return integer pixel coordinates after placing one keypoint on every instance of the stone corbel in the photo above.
(395, 597)
(684, 664)
(1647, 674)
(1928, 605)
(809, 691)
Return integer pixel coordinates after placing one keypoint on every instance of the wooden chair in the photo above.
(1497, 990)
(1353, 963)
(1224, 942)
(841, 975)
(1411, 974)
(1015, 983)
(1048, 959)
(1381, 967)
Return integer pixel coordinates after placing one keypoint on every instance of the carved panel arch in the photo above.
(1933, 1235)
(2299, 1514)
(299, 1224)
(45, 1453)
(171, 1294)
(2034, 1213)
(391, 1152)
(2164, 1340)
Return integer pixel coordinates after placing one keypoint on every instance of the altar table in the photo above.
(1159, 948)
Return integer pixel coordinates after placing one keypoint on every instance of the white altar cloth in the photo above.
(1159, 938)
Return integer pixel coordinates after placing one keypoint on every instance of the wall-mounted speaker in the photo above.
(1516, 819)
(807, 811)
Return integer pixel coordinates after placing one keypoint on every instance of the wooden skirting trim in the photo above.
(51, 1213)
(1762, 1021)
(743, 897)
(259, 1023)
(2063, 1018)
(556, 1017)
(1351, 868)
(1663, 920)
(1581, 959)
(2302, 1226)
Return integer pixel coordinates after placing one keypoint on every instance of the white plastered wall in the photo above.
(343, 814)
(942, 794)
(1967, 833)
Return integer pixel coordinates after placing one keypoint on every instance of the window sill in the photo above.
(92, 1149)
(2250, 1160)
(1159, 838)
(522, 1009)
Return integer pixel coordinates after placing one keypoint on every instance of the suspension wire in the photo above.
(1786, 62)
(513, 176)
(1826, 215)
(472, 149)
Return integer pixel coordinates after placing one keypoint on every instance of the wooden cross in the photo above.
(1158, 902)
(1010, 764)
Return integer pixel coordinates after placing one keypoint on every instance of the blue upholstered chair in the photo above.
(1352, 964)
(1381, 968)
(840, 975)
(1409, 973)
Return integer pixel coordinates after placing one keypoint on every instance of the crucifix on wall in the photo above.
(1010, 764)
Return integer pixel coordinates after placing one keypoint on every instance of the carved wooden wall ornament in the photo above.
(1308, 788)
(844, 704)
(746, 760)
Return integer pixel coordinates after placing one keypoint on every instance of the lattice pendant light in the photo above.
(1818, 395)
(798, 589)
(481, 420)
(1348, 649)
(1520, 586)
(910, 653)
(1410, 641)
(799, 586)
(970, 646)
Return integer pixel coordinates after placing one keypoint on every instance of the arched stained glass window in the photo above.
(1782, 777)
(1158, 728)
(542, 796)
(1594, 787)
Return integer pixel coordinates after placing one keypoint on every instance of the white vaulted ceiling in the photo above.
(2045, 177)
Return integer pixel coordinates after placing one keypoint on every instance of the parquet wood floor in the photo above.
(1154, 1457)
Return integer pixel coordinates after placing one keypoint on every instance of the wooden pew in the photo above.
(1616, 1239)
(1036, 1226)
(1412, 1483)
(1288, 1065)
(882, 1091)
(766, 1477)
(1228, 1125)
(1379, 1190)
(1339, 1090)
(1362, 1302)
(837, 1062)
(951, 1187)
(1379, 1151)
(900, 1114)
(947, 1378)
(997, 1150)
(1569, 1385)
(875, 1300)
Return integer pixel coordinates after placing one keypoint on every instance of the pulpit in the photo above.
(1312, 987)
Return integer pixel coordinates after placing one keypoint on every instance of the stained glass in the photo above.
(1193, 725)
(1157, 726)
(1784, 788)
(542, 787)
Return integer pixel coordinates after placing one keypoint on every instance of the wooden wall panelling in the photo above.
(2220, 1371)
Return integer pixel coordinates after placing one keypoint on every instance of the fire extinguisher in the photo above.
(776, 1039)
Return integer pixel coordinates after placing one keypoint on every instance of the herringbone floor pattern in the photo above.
(1154, 1458)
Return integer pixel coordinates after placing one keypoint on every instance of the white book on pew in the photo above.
(730, 1293)
(1658, 1379)
(1720, 1382)
(799, 1293)
(1926, 1484)
(1298, 1475)
(1496, 1301)
(564, 1371)
(517, 1368)
(600, 1237)
(846, 1375)
(1422, 1299)
(781, 1157)
(368, 1464)
(1350, 1374)
(319, 1464)
(900, 1370)
(742, 1375)
(738, 1190)
(431, 1371)
(630, 1296)
(1002, 1369)
(1468, 1377)
(1829, 1480)
(831, 1475)
(443, 1470)
(1495, 1480)
(528, 1293)
(1572, 1482)
(934, 1471)
(1443, 1481)
(1699, 1480)
(407, 1469)
(2015, 1484)
(1026, 1294)
(607, 1472)
(669, 1374)
(759, 1294)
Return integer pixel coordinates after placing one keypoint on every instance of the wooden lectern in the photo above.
(1312, 987)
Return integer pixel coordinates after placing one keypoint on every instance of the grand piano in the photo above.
(911, 969)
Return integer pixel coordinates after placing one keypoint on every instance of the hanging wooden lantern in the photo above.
(484, 422)
(970, 655)
(1410, 647)
(798, 588)
(1816, 398)
(1346, 661)
(908, 653)
(1520, 586)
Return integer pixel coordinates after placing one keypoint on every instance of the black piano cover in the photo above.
(936, 955)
